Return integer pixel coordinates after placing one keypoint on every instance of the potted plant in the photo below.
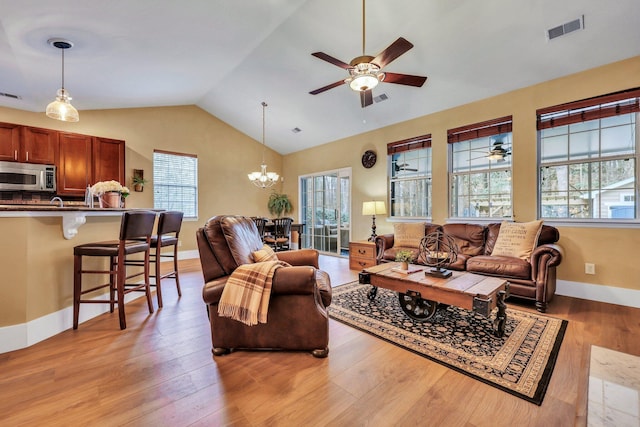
(138, 183)
(405, 257)
(278, 204)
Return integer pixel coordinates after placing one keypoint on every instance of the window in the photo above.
(588, 158)
(410, 177)
(175, 182)
(480, 170)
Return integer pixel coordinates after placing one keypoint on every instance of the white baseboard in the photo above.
(600, 293)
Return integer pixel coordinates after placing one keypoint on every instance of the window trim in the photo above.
(469, 132)
(594, 108)
(410, 144)
(188, 155)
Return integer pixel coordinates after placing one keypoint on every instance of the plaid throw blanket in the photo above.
(245, 296)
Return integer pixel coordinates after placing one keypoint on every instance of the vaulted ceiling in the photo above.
(227, 56)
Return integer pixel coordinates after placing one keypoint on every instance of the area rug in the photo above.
(520, 363)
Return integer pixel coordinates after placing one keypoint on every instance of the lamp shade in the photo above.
(374, 208)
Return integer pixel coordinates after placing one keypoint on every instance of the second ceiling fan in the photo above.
(365, 71)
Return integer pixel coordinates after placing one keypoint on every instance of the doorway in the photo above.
(325, 206)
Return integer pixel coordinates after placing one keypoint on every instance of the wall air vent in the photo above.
(381, 97)
(10, 95)
(561, 30)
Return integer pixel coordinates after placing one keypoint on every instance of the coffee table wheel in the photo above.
(417, 308)
(372, 293)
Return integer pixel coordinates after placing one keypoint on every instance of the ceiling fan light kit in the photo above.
(365, 71)
(61, 108)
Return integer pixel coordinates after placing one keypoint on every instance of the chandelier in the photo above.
(61, 108)
(263, 179)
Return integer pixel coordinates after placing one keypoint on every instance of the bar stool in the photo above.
(135, 237)
(169, 224)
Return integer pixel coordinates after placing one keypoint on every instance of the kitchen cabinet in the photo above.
(85, 160)
(28, 144)
(108, 160)
(74, 168)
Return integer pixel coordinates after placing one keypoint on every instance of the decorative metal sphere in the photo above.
(438, 250)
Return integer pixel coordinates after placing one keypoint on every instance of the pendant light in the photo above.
(263, 179)
(61, 108)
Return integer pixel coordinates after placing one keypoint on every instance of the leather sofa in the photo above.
(533, 279)
(297, 314)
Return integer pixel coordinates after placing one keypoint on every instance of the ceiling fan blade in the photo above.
(332, 60)
(404, 79)
(392, 52)
(327, 87)
(366, 98)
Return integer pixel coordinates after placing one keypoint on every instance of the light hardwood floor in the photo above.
(160, 372)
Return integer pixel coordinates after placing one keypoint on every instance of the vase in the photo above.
(110, 200)
(404, 265)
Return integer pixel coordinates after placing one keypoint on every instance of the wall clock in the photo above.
(369, 159)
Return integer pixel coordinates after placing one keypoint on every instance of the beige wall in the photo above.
(37, 264)
(608, 248)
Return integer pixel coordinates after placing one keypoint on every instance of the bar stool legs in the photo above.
(135, 238)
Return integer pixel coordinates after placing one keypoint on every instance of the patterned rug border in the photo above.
(545, 377)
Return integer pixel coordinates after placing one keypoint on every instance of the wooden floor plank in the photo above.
(159, 371)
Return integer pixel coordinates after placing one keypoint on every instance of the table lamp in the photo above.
(373, 208)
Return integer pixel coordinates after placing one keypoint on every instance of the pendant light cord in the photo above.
(363, 28)
(62, 68)
(264, 146)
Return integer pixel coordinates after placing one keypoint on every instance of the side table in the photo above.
(362, 255)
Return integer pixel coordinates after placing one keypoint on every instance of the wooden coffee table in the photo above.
(419, 294)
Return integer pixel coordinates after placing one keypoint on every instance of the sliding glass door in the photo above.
(325, 204)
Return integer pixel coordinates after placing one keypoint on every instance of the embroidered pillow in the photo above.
(408, 234)
(264, 254)
(517, 239)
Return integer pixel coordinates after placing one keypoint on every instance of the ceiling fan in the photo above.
(404, 167)
(365, 71)
(498, 152)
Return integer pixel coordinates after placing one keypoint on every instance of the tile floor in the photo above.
(614, 389)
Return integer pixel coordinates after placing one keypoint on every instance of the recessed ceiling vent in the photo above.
(10, 95)
(381, 97)
(296, 130)
(569, 27)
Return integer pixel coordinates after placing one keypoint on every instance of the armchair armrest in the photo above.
(300, 257)
(383, 242)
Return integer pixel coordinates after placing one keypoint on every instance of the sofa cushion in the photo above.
(468, 237)
(501, 266)
(408, 234)
(517, 239)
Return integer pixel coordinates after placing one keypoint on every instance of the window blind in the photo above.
(479, 130)
(423, 141)
(175, 182)
(599, 107)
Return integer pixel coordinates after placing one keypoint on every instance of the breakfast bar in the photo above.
(36, 261)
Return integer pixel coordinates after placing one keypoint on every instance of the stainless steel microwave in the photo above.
(27, 177)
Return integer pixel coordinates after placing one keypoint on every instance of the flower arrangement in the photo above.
(404, 256)
(99, 188)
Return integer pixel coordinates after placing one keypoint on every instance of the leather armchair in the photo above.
(297, 316)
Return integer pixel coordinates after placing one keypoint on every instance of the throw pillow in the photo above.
(408, 234)
(264, 254)
(517, 239)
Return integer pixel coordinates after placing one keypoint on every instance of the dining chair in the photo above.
(281, 231)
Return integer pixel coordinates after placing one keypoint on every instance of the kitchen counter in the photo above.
(73, 216)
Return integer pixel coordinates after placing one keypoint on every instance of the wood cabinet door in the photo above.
(39, 146)
(108, 160)
(74, 168)
(9, 142)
